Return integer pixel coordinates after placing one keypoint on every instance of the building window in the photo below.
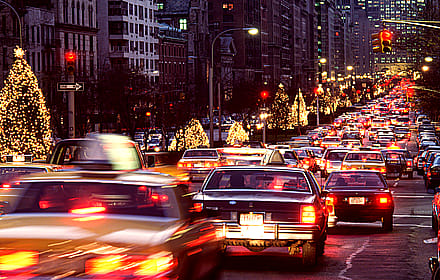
(228, 18)
(228, 6)
(141, 13)
(91, 43)
(131, 28)
(83, 14)
(73, 12)
(183, 24)
(90, 16)
(66, 41)
(130, 10)
(135, 10)
(66, 11)
(160, 6)
(78, 14)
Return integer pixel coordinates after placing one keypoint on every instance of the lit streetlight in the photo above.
(251, 31)
(425, 68)
(320, 63)
(428, 59)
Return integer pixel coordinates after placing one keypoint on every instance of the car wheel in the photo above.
(320, 247)
(434, 223)
(309, 254)
(387, 223)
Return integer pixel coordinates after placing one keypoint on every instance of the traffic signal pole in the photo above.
(71, 106)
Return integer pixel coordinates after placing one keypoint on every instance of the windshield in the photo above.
(354, 179)
(258, 180)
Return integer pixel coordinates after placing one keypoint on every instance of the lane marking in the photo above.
(349, 260)
(411, 216)
(411, 225)
(413, 196)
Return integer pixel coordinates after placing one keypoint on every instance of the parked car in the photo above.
(265, 206)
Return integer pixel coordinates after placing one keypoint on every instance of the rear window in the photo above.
(356, 179)
(111, 198)
(338, 156)
(258, 180)
(363, 157)
(200, 153)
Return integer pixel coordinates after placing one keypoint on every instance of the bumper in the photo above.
(273, 235)
(355, 214)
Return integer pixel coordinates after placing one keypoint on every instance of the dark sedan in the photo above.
(260, 207)
(104, 225)
(359, 196)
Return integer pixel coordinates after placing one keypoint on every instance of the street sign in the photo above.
(75, 86)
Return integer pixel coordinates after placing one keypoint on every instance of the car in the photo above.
(432, 179)
(409, 161)
(267, 206)
(395, 164)
(307, 158)
(330, 141)
(364, 160)
(434, 261)
(332, 160)
(199, 162)
(104, 225)
(359, 196)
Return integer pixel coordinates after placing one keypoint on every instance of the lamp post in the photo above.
(18, 20)
(250, 30)
(320, 63)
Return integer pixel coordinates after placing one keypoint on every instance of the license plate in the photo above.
(251, 219)
(356, 200)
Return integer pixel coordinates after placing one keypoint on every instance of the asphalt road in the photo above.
(354, 250)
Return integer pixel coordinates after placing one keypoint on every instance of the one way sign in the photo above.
(76, 86)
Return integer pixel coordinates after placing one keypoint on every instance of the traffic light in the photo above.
(385, 41)
(264, 94)
(375, 40)
(70, 62)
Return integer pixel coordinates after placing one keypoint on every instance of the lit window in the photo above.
(228, 6)
(183, 24)
(160, 6)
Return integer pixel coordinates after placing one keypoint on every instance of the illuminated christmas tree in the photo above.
(280, 117)
(190, 137)
(299, 108)
(237, 134)
(24, 117)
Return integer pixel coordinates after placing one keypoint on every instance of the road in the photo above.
(354, 250)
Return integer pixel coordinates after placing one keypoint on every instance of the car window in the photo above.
(258, 180)
(200, 153)
(337, 156)
(11, 172)
(363, 157)
(357, 179)
(111, 198)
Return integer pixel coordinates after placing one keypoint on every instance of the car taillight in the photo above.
(308, 214)
(383, 170)
(327, 164)
(87, 210)
(197, 207)
(180, 165)
(330, 204)
(384, 200)
(131, 265)
(6, 186)
(408, 163)
(17, 260)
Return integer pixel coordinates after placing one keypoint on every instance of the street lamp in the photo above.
(320, 63)
(251, 31)
(428, 59)
(425, 68)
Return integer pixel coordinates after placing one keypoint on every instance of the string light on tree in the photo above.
(237, 135)
(190, 137)
(24, 117)
(280, 116)
(299, 108)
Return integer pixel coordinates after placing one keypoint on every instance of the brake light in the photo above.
(162, 198)
(180, 165)
(6, 186)
(383, 170)
(308, 214)
(197, 207)
(16, 260)
(384, 200)
(408, 163)
(87, 210)
(131, 265)
(330, 204)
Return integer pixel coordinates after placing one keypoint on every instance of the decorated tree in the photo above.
(299, 109)
(189, 137)
(24, 117)
(280, 117)
(237, 134)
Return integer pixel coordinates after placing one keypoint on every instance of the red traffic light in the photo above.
(70, 56)
(264, 94)
(148, 114)
(385, 35)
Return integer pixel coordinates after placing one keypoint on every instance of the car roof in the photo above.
(265, 167)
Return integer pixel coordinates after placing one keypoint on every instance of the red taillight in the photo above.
(6, 186)
(408, 163)
(162, 198)
(87, 210)
(180, 165)
(17, 260)
(330, 204)
(308, 214)
(197, 207)
(155, 265)
(384, 200)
